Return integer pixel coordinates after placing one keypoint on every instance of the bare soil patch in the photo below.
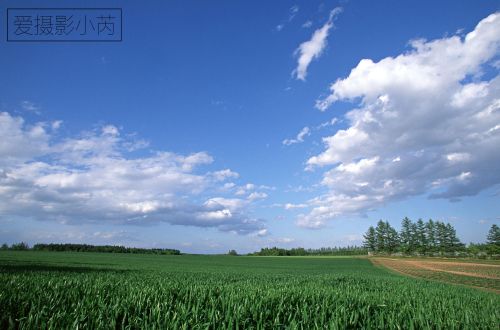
(486, 276)
(466, 269)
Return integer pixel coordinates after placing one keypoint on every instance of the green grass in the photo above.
(93, 290)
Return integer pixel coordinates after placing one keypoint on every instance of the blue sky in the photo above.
(244, 124)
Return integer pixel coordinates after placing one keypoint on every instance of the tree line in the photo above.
(433, 238)
(87, 248)
(326, 251)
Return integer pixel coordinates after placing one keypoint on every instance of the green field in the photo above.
(96, 290)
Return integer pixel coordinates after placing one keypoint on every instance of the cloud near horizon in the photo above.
(94, 178)
(426, 122)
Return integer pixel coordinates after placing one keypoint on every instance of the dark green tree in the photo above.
(19, 246)
(493, 237)
(441, 236)
(405, 236)
(420, 237)
(370, 241)
(392, 238)
(381, 237)
(386, 238)
(448, 240)
(454, 241)
(430, 235)
(413, 239)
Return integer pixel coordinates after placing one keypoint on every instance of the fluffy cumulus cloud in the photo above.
(93, 178)
(427, 122)
(313, 48)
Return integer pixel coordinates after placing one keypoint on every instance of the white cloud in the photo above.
(292, 12)
(232, 204)
(249, 186)
(313, 48)
(216, 215)
(79, 235)
(300, 137)
(223, 175)
(331, 122)
(56, 124)
(282, 240)
(257, 195)
(344, 141)
(250, 189)
(94, 179)
(425, 123)
(20, 142)
(240, 192)
(458, 157)
(307, 24)
(30, 107)
(290, 206)
(228, 185)
(263, 232)
(469, 93)
(110, 130)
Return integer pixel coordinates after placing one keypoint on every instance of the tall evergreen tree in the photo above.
(493, 237)
(420, 238)
(430, 235)
(381, 236)
(453, 243)
(441, 237)
(413, 239)
(370, 241)
(406, 236)
(392, 238)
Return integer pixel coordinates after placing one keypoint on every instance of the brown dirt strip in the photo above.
(455, 263)
(377, 262)
(415, 268)
(435, 266)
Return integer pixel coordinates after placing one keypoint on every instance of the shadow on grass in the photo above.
(24, 268)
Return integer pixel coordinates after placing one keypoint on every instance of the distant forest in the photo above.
(327, 251)
(87, 248)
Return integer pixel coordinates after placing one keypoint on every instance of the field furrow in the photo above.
(486, 276)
